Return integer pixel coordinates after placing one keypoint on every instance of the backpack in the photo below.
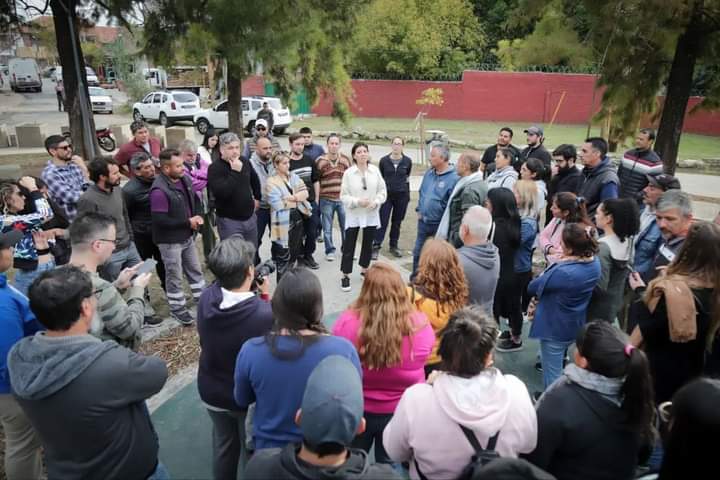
(480, 458)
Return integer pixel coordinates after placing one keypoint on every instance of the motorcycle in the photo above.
(104, 138)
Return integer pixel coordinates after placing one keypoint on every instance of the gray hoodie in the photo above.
(481, 264)
(86, 400)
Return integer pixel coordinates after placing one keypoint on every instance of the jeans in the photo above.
(24, 278)
(375, 424)
(181, 258)
(127, 257)
(23, 458)
(552, 354)
(227, 227)
(160, 473)
(396, 202)
(310, 225)
(327, 209)
(147, 249)
(228, 443)
(351, 234)
(424, 231)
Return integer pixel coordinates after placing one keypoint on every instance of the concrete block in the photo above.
(4, 136)
(175, 135)
(158, 131)
(121, 133)
(31, 135)
(12, 140)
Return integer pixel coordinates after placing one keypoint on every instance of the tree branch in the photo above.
(28, 7)
(119, 17)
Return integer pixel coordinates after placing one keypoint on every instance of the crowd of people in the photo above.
(619, 281)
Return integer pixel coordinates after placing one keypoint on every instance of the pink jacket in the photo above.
(199, 173)
(426, 424)
(551, 236)
(383, 388)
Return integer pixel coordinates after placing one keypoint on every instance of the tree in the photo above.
(201, 47)
(426, 38)
(290, 40)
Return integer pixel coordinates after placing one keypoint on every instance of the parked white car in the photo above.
(217, 117)
(90, 75)
(101, 100)
(167, 107)
(24, 74)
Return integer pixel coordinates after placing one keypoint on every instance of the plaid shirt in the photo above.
(65, 185)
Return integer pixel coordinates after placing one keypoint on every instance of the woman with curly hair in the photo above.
(438, 289)
(272, 370)
(393, 340)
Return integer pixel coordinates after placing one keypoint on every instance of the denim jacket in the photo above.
(435, 191)
(524, 254)
(647, 243)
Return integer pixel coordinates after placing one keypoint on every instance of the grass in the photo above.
(692, 146)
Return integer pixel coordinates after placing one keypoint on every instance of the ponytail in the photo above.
(638, 392)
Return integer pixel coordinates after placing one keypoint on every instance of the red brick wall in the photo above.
(496, 96)
(254, 85)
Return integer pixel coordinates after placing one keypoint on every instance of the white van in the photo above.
(92, 79)
(24, 75)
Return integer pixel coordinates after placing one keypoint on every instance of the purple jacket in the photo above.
(198, 172)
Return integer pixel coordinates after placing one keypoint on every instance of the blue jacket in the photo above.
(523, 256)
(16, 322)
(647, 243)
(314, 151)
(564, 292)
(435, 191)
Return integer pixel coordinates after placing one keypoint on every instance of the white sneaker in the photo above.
(330, 257)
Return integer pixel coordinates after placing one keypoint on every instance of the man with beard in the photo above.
(102, 196)
(176, 217)
(535, 149)
(65, 175)
(566, 177)
(503, 141)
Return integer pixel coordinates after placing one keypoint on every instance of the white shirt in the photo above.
(204, 154)
(230, 299)
(357, 185)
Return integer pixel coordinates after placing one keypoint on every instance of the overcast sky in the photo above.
(40, 4)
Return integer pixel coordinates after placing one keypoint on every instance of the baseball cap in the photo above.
(535, 129)
(10, 238)
(332, 406)
(664, 181)
(261, 123)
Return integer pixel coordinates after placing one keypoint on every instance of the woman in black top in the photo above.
(395, 169)
(503, 207)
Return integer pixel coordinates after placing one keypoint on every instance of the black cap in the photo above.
(664, 182)
(10, 238)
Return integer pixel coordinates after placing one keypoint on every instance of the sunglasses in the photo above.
(260, 128)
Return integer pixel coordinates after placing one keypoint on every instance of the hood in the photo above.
(486, 256)
(508, 171)
(480, 403)
(618, 250)
(40, 365)
(356, 466)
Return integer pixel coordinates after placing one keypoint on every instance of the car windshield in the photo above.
(274, 103)
(97, 92)
(184, 97)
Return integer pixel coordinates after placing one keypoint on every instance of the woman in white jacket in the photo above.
(362, 193)
(467, 392)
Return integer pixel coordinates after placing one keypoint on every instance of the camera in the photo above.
(261, 271)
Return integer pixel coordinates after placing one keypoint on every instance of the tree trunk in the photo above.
(210, 62)
(80, 119)
(234, 91)
(679, 86)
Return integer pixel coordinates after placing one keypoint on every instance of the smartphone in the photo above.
(147, 266)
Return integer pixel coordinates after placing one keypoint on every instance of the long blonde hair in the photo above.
(440, 275)
(526, 193)
(384, 309)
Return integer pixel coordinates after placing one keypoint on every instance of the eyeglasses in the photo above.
(114, 242)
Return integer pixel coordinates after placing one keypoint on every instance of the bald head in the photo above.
(263, 148)
(476, 225)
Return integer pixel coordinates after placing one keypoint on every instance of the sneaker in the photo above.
(505, 335)
(310, 262)
(538, 366)
(345, 284)
(183, 317)
(152, 321)
(396, 252)
(509, 345)
(330, 257)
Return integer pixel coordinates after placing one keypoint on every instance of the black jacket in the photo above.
(174, 226)
(397, 179)
(633, 170)
(566, 181)
(283, 463)
(222, 334)
(594, 179)
(488, 158)
(234, 192)
(539, 152)
(581, 435)
(137, 201)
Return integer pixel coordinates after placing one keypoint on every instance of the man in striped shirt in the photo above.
(331, 167)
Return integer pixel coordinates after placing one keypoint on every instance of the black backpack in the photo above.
(480, 458)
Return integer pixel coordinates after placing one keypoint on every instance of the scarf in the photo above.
(679, 303)
(605, 386)
(442, 231)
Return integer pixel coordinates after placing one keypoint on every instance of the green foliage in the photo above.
(552, 42)
(122, 61)
(417, 38)
(93, 53)
(495, 19)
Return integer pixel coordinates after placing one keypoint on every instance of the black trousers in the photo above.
(348, 251)
(284, 258)
(311, 225)
(397, 203)
(375, 424)
(507, 302)
(147, 249)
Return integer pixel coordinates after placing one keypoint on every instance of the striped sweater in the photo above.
(114, 318)
(331, 174)
(276, 191)
(634, 168)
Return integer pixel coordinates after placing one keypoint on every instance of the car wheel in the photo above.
(137, 116)
(164, 120)
(278, 131)
(202, 125)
